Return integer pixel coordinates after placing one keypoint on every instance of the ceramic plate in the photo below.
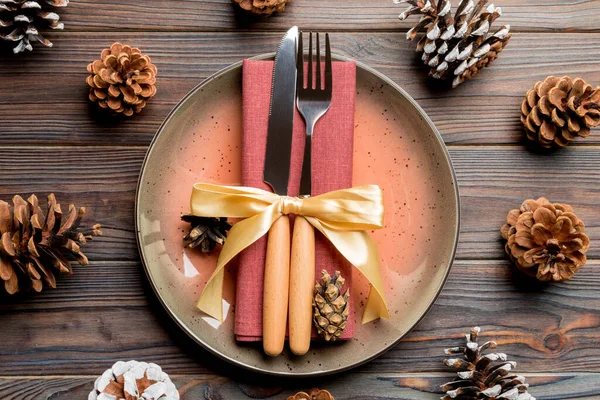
(396, 147)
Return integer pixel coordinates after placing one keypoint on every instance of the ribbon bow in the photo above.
(342, 216)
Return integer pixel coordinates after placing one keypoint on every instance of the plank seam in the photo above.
(381, 374)
(548, 31)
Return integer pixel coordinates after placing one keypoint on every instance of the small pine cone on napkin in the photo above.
(546, 240)
(559, 110)
(33, 245)
(313, 394)
(458, 47)
(123, 80)
(262, 7)
(22, 20)
(483, 376)
(330, 306)
(134, 380)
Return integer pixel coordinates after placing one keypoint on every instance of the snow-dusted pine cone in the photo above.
(134, 380)
(456, 47)
(22, 20)
(483, 375)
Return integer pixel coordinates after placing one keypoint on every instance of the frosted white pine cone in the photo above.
(21, 21)
(134, 380)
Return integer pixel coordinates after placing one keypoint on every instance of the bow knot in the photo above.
(342, 216)
(291, 205)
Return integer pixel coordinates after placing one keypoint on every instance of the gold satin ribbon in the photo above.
(342, 216)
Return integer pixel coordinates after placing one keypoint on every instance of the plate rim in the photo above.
(237, 363)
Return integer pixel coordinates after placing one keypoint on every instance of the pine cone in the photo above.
(559, 110)
(32, 244)
(456, 47)
(330, 306)
(134, 380)
(313, 394)
(123, 80)
(483, 376)
(22, 20)
(206, 232)
(546, 240)
(262, 7)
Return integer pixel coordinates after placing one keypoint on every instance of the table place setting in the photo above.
(297, 213)
(299, 156)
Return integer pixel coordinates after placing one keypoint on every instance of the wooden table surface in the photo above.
(54, 344)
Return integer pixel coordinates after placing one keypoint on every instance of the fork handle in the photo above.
(302, 278)
(302, 263)
(276, 282)
(306, 177)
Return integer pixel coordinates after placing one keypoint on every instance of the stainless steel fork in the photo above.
(313, 101)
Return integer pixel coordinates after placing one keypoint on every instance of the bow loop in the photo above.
(342, 216)
(291, 205)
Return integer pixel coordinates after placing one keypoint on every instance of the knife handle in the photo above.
(276, 286)
(302, 283)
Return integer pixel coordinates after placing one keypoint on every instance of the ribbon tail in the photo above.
(359, 248)
(241, 235)
(376, 307)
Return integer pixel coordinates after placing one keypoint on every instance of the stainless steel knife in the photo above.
(277, 174)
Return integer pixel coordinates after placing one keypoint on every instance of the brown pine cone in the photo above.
(262, 7)
(456, 47)
(559, 110)
(330, 306)
(546, 240)
(123, 80)
(33, 244)
(313, 394)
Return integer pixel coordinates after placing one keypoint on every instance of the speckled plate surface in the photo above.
(396, 147)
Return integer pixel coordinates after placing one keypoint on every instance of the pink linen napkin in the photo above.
(332, 154)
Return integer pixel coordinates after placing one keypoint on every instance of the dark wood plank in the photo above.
(350, 386)
(106, 312)
(43, 97)
(102, 180)
(85, 15)
(492, 181)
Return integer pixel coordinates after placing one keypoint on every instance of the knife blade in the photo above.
(281, 115)
(276, 174)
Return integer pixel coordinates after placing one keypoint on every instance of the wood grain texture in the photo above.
(56, 343)
(492, 181)
(485, 110)
(363, 387)
(106, 312)
(194, 15)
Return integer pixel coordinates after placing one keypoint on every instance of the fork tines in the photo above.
(314, 84)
